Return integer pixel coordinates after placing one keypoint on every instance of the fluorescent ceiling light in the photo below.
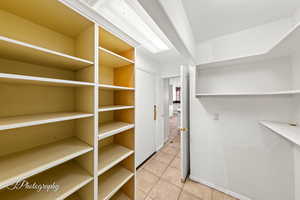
(126, 17)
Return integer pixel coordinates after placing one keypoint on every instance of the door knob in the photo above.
(183, 129)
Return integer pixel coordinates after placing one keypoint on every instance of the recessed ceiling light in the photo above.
(129, 20)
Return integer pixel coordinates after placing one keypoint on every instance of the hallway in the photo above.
(159, 178)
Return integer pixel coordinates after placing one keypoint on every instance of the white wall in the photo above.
(147, 63)
(235, 153)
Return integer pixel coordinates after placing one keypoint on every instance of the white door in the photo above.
(184, 122)
(145, 123)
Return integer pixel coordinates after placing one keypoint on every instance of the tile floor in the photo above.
(159, 178)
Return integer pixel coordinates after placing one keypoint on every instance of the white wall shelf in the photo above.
(288, 92)
(111, 128)
(21, 51)
(39, 159)
(112, 87)
(21, 79)
(69, 176)
(111, 155)
(32, 120)
(289, 132)
(284, 47)
(114, 107)
(112, 181)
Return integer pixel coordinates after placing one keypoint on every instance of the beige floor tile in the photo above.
(170, 150)
(164, 157)
(174, 145)
(165, 191)
(145, 180)
(221, 196)
(199, 190)
(156, 167)
(176, 163)
(172, 175)
(140, 195)
(187, 196)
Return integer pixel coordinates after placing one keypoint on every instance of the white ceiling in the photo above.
(213, 18)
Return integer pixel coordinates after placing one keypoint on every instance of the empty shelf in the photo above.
(114, 107)
(73, 197)
(110, 59)
(288, 92)
(112, 128)
(112, 87)
(112, 181)
(14, 78)
(69, 177)
(289, 132)
(120, 196)
(24, 164)
(111, 155)
(21, 51)
(32, 120)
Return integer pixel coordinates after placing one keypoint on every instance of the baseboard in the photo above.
(219, 188)
(159, 147)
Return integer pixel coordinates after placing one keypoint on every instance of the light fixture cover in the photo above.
(122, 15)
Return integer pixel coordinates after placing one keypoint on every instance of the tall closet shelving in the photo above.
(67, 104)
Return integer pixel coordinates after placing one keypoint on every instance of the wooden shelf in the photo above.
(111, 155)
(21, 165)
(73, 197)
(120, 196)
(21, 51)
(114, 107)
(284, 47)
(112, 128)
(112, 87)
(32, 120)
(289, 132)
(112, 181)
(110, 59)
(69, 177)
(288, 92)
(21, 79)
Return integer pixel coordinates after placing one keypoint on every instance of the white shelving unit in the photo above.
(53, 121)
(289, 132)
